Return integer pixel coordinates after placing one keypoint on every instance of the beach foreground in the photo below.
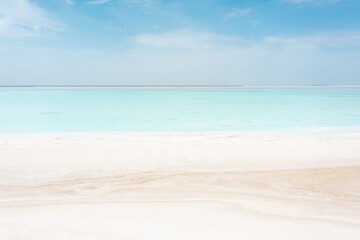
(185, 186)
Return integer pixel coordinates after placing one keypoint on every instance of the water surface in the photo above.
(33, 110)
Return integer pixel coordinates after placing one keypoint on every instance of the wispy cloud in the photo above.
(325, 39)
(187, 39)
(182, 39)
(71, 2)
(22, 18)
(311, 1)
(97, 2)
(237, 12)
(142, 3)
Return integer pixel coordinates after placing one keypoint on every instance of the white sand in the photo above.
(206, 186)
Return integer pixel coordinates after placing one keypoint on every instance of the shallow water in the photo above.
(35, 110)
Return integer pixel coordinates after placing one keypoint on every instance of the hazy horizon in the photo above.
(178, 85)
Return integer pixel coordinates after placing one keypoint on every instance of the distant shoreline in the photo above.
(177, 86)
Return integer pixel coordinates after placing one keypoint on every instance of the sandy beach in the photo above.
(180, 186)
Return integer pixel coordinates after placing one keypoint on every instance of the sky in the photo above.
(180, 42)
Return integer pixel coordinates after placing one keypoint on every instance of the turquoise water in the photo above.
(176, 110)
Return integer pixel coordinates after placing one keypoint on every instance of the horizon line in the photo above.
(167, 85)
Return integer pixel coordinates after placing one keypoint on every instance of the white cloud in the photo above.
(141, 3)
(97, 2)
(188, 39)
(22, 18)
(184, 39)
(237, 12)
(320, 40)
(71, 2)
(311, 1)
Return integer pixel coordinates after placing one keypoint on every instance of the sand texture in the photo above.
(200, 186)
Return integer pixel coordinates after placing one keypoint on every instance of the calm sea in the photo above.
(33, 110)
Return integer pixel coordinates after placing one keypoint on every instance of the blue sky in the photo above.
(247, 42)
